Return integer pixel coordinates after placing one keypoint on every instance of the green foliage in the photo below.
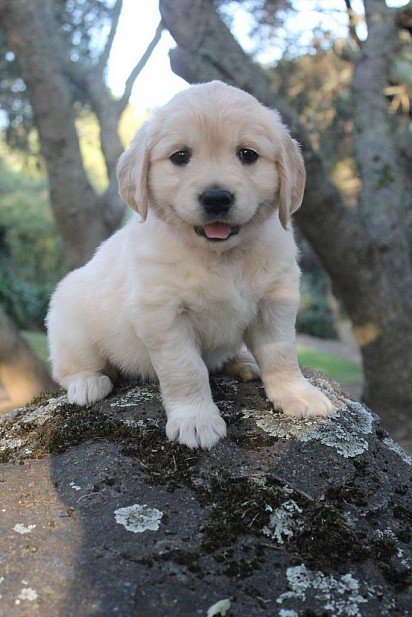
(315, 315)
(31, 260)
(31, 256)
(26, 303)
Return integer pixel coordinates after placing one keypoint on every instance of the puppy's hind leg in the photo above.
(243, 366)
(78, 366)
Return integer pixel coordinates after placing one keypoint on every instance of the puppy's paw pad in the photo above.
(88, 388)
(301, 400)
(195, 430)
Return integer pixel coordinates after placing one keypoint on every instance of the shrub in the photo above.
(315, 315)
(31, 260)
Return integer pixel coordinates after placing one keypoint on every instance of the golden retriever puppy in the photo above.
(207, 271)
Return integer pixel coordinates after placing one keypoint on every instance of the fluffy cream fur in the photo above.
(158, 300)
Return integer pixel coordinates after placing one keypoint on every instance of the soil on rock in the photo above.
(101, 516)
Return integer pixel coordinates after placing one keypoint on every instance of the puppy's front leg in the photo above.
(192, 417)
(272, 340)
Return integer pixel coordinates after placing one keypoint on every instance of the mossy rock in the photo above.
(102, 516)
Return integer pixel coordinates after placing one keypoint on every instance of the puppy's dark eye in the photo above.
(181, 157)
(247, 156)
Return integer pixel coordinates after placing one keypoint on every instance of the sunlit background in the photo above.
(157, 83)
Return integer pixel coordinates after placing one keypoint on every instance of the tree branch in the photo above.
(123, 101)
(104, 56)
(353, 21)
(375, 152)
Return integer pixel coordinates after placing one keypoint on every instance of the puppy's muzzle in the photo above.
(216, 201)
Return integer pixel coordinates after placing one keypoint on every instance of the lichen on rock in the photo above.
(392, 445)
(283, 521)
(334, 595)
(346, 436)
(138, 518)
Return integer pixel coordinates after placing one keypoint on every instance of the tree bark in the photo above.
(385, 333)
(29, 33)
(22, 374)
(376, 288)
(89, 77)
(83, 218)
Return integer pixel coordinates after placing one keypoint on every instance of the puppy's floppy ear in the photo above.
(292, 177)
(133, 172)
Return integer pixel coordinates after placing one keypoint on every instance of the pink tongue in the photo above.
(219, 231)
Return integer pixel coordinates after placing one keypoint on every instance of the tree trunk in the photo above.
(43, 54)
(22, 374)
(28, 27)
(375, 289)
(385, 330)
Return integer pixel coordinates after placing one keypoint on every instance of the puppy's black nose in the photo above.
(216, 200)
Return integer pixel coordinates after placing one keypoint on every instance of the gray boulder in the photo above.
(101, 516)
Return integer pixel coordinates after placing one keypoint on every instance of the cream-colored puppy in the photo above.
(215, 176)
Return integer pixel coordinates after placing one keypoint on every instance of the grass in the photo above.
(333, 366)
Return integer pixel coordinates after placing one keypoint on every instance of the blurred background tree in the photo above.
(345, 95)
(59, 113)
(55, 62)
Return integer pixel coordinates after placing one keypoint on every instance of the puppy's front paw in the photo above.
(87, 388)
(195, 426)
(300, 399)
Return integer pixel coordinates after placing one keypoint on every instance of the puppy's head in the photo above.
(213, 162)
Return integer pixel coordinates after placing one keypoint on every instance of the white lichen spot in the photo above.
(1, 581)
(36, 417)
(129, 422)
(22, 529)
(405, 560)
(138, 518)
(285, 612)
(134, 396)
(27, 593)
(10, 444)
(40, 415)
(283, 521)
(288, 490)
(392, 445)
(344, 432)
(279, 425)
(340, 595)
(74, 486)
(219, 608)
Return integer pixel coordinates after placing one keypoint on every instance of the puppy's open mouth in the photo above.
(217, 232)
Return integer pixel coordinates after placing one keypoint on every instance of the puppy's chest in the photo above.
(222, 309)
